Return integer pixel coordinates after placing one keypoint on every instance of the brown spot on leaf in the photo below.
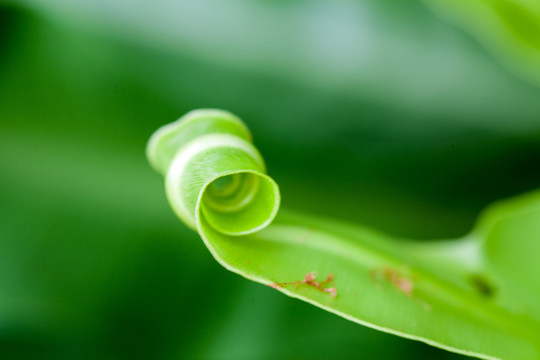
(310, 280)
(404, 283)
(400, 281)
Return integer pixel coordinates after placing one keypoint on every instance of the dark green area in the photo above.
(94, 264)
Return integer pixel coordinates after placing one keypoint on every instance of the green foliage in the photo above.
(509, 28)
(479, 300)
(373, 112)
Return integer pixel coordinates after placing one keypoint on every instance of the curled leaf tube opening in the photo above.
(213, 173)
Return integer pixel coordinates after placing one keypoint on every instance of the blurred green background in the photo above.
(377, 112)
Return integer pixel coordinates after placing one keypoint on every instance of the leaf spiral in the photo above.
(214, 175)
(216, 183)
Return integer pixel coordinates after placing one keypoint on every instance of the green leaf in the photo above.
(511, 234)
(509, 28)
(459, 295)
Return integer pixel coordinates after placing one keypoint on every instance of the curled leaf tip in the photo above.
(215, 178)
(216, 183)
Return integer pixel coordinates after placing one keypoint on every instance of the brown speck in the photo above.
(400, 282)
(273, 285)
(403, 283)
(310, 280)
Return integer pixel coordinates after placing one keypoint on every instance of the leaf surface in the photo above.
(459, 295)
